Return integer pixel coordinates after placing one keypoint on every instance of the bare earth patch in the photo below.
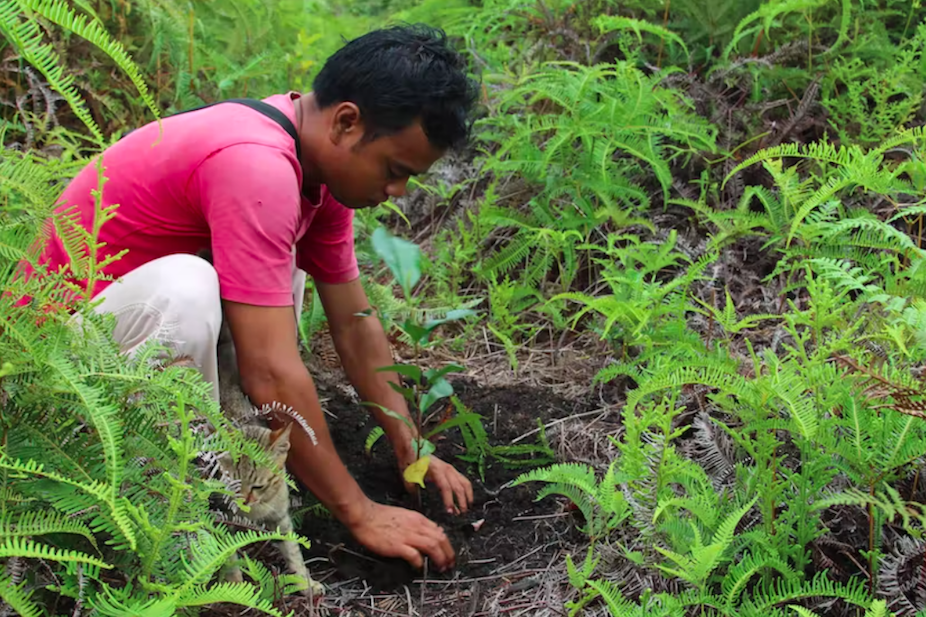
(510, 549)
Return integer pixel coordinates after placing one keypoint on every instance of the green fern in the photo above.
(704, 558)
(602, 505)
(18, 598)
(22, 547)
(18, 24)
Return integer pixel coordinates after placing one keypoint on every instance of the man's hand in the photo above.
(271, 370)
(455, 489)
(363, 348)
(396, 532)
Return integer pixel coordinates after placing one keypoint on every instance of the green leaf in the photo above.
(441, 389)
(434, 374)
(453, 315)
(388, 205)
(417, 333)
(420, 334)
(424, 447)
(402, 257)
(409, 370)
(389, 413)
(372, 438)
(408, 393)
(467, 419)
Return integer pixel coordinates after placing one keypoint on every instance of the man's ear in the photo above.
(346, 123)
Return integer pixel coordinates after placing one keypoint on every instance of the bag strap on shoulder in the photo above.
(274, 114)
(260, 106)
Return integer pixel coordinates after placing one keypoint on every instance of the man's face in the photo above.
(365, 173)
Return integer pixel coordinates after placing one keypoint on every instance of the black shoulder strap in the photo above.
(265, 108)
(274, 114)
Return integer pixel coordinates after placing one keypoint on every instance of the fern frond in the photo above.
(824, 151)
(64, 16)
(611, 23)
(17, 598)
(872, 233)
(675, 378)
(22, 547)
(102, 494)
(618, 605)
(211, 552)
(37, 523)
(242, 594)
(765, 598)
(740, 573)
(371, 439)
(576, 474)
(26, 37)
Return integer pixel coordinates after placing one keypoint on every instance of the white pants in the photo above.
(175, 300)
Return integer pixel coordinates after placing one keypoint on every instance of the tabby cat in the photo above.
(264, 490)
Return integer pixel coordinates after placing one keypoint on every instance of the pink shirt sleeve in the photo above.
(326, 251)
(250, 199)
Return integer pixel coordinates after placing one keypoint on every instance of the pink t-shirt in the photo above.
(224, 178)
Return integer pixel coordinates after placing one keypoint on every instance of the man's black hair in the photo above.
(399, 74)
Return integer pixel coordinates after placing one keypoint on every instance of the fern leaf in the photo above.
(740, 573)
(22, 547)
(782, 591)
(374, 435)
(38, 522)
(576, 474)
(617, 604)
(211, 552)
(26, 37)
(677, 377)
(61, 14)
(17, 598)
(724, 534)
(243, 594)
(610, 23)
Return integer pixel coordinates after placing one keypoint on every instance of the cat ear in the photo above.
(279, 439)
(225, 462)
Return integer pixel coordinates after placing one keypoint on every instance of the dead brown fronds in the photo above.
(876, 387)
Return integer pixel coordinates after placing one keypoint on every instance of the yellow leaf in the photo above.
(416, 472)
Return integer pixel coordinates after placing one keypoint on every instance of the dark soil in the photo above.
(508, 413)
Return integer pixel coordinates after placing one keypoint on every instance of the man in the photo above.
(228, 179)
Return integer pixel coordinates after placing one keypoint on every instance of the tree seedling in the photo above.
(427, 386)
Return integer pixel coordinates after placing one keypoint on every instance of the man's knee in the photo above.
(191, 283)
(188, 292)
(172, 297)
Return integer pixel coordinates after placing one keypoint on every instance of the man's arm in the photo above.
(363, 348)
(272, 371)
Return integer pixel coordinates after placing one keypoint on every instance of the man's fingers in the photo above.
(463, 491)
(412, 556)
(447, 493)
(436, 545)
(465, 494)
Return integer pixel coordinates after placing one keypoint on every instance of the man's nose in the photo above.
(396, 189)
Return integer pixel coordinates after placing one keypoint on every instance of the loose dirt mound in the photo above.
(511, 563)
(510, 535)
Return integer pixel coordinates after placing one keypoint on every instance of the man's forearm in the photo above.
(363, 348)
(317, 466)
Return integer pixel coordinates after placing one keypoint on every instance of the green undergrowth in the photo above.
(727, 196)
